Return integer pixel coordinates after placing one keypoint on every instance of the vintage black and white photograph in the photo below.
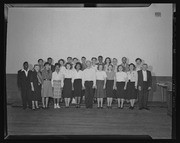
(90, 69)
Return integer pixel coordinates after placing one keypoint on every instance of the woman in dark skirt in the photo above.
(121, 82)
(77, 83)
(100, 85)
(110, 85)
(35, 87)
(132, 85)
(68, 82)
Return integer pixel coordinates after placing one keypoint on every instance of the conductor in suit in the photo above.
(144, 85)
(23, 81)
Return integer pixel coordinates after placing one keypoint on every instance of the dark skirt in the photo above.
(100, 91)
(36, 94)
(77, 87)
(131, 92)
(120, 90)
(109, 88)
(67, 90)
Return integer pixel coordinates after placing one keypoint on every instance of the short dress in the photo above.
(36, 94)
(47, 86)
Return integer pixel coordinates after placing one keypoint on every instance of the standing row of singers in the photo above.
(87, 79)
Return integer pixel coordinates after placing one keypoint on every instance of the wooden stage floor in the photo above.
(82, 121)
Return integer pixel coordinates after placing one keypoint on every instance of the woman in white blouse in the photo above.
(57, 84)
(132, 85)
(121, 82)
(100, 85)
(68, 82)
(77, 83)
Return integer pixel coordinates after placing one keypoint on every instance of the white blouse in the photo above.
(121, 76)
(68, 73)
(132, 76)
(62, 69)
(57, 76)
(101, 75)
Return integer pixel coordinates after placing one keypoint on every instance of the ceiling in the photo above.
(77, 5)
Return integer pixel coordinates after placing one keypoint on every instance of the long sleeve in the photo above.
(83, 78)
(150, 79)
(52, 79)
(19, 79)
(94, 78)
(136, 78)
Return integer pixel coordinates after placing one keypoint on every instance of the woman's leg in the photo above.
(122, 103)
(58, 103)
(55, 103)
(68, 101)
(107, 101)
(36, 103)
(47, 99)
(101, 100)
(133, 101)
(110, 101)
(76, 98)
(65, 99)
(118, 102)
(33, 107)
(43, 102)
(98, 100)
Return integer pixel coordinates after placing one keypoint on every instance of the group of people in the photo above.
(86, 79)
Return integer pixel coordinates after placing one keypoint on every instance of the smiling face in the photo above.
(25, 66)
(144, 67)
(88, 63)
(124, 60)
(36, 68)
(131, 67)
(57, 68)
(120, 68)
(107, 61)
(47, 66)
(68, 66)
(114, 61)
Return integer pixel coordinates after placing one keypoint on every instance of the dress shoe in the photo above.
(146, 108)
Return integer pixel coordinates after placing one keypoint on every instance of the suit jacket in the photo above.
(140, 78)
(23, 81)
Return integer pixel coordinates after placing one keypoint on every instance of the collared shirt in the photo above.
(101, 75)
(26, 72)
(144, 75)
(57, 77)
(121, 76)
(89, 74)
(110, 75)
(132, 76)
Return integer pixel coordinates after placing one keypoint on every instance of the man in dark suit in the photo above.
(23, 81)
(144, 85)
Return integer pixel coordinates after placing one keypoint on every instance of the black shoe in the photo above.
(101, 107)
(119, 107)
(147, 108)
(140, 108)
(122, 107)
(130, 107)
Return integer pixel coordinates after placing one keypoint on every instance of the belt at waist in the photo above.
(48, 79)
